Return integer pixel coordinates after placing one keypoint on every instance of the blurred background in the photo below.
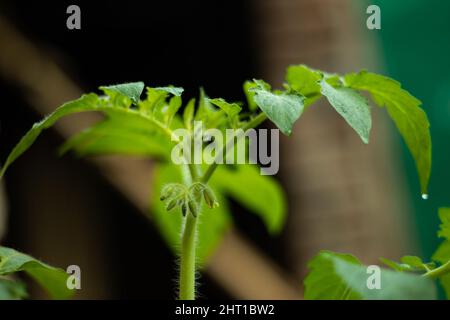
(343, 195)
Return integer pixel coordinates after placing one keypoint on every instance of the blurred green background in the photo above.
(415, 45)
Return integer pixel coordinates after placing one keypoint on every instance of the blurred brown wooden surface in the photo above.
(343, 195)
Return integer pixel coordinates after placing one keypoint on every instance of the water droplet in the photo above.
(424, 196)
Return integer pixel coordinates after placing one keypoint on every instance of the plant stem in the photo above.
(438, 272)
(256, 121)
(187, 267)
(193, 172)
(187, 258)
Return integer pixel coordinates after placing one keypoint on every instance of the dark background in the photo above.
(184, 43)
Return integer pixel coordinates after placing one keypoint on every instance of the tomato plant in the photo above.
(197, 193)
(338, 276)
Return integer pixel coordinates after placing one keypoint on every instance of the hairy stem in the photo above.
(187, 266)
(193, 172)
(188, 243)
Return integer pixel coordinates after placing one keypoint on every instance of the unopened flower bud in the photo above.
(171, 204)
(193, 208)
(210, 198)
(184, 209)
(166, 192)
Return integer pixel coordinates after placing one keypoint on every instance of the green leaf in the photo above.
(12, 290)
(248, 85)
(413, 261)
(409, 264)
(205, 109)
(121, 133)
(283, 109)
(324, 283)
(174, 105)
(85, 103)
(231, 109)
(132, 90)
(305, 81)
(338, 276)
(211, 116)
(445, 282)
(212, 224)
(351, 106)
(90, 102)
(260, 194)
(444, 227)
(442, 254)
(405, 111)
(396, 266)
(188, 114)
(176, 91)
(394, 285)
(154, 101)
(54, 280)
(156, 105)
